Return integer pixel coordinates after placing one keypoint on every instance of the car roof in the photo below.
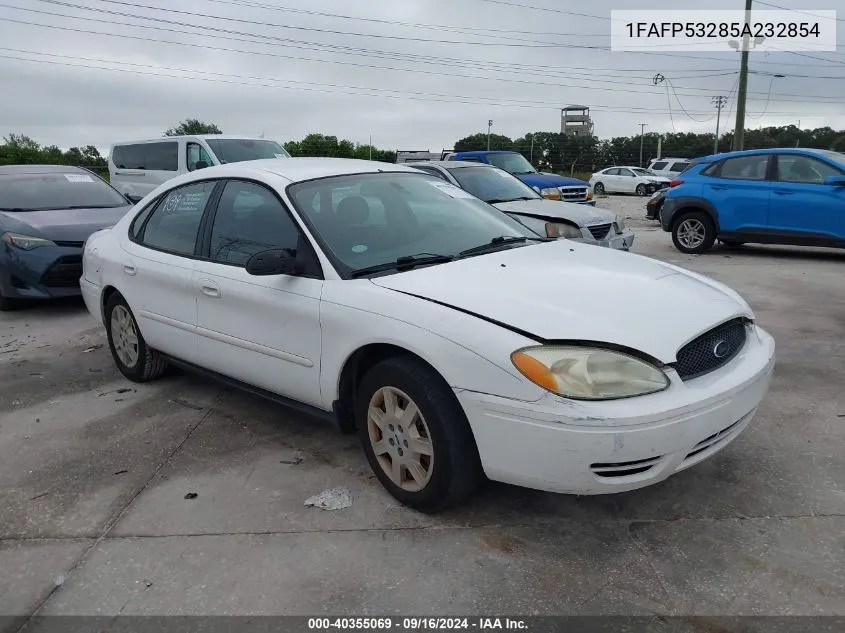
(483, 152)
(454, 164)
(205, 137)
(669, 158)
(39, 169)
(768, 150)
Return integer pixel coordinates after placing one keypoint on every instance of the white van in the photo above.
(668, 167)
(138, 167)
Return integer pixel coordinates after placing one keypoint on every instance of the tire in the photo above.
(731, 243)
(598, 189)
(641, 190)
(453, 469)
(120, 322)
(693, 222)
(7, 304)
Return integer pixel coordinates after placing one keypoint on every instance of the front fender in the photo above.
(673, 206)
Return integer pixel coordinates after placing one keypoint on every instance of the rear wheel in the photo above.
(133, 357)
(694, 233)
(598, 188)
(415, 435)
(7, 303)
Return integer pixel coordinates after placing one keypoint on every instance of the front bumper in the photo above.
(589, 448)
(43, 273)
(615, 239)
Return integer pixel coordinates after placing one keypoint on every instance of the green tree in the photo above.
(193, 126)
(479, 142)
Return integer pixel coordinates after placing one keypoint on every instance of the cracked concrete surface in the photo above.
(94, 473)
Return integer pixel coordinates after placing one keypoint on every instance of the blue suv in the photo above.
(764, 196)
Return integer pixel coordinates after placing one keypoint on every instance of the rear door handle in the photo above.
(718, 187)
(783, 192)
(129, 269)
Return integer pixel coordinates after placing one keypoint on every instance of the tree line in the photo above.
(547, 151)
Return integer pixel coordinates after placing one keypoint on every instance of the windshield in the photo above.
(511, 163)
(58, 190)
(364, 220)
(493, 185)
(234, 150)
(837, 157)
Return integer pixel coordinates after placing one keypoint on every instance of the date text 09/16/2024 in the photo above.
(417, 624)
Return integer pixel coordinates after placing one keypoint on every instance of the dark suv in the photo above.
(767, 196)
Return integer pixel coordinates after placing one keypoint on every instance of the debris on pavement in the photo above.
(293, 461)
(334, 499)
(191, 495)
(92, 348)
(185, 403)
(121, 472)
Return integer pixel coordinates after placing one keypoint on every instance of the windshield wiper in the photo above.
(498, 200)
(406, 262)
(498, 242)
(14, 209)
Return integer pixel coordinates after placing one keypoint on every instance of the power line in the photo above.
(365, 53)
(322, 87)
(815, 15)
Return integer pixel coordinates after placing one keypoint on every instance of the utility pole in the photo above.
(720, 103)
(489, 125)
(643, 126)
(659, 147)
(739, 134)
(371, 147)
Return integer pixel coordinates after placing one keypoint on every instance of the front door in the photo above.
(262, 330)
(739, 190)
(802, 205)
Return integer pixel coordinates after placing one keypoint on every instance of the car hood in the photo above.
(563, 290)
(542, 180)
(581, 214)
(71, 225)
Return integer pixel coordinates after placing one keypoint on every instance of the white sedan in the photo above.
(627, 180)
(457, 342)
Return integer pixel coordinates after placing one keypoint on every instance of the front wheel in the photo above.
(415, 435)
(641, 190)
(694, 233)
(133, 357)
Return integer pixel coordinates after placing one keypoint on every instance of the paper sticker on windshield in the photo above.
(452, 190)
(79, 178)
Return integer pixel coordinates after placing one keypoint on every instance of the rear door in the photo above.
(739, 190)
(156, 272)
(802, 205)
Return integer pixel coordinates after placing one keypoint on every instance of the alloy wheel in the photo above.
(124, 336)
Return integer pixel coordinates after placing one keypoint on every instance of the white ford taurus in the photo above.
(457, 342)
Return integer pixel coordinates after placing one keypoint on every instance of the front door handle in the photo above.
(209, 289)
(783, 192)
(129, 269)
(718, 187)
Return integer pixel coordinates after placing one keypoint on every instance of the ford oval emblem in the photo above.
(721, 349)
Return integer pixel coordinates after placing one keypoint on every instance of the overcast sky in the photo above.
(149, 74)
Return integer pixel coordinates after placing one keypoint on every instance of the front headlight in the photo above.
(557, 229)
(25, 242)
(588, 373)
(620, 222)
(551, 193)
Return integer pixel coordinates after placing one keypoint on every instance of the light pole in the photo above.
(643, 126)
(720, 102)
(489, 125)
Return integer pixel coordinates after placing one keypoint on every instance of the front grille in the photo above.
(711, 350)
(573, 194)
(64, 273)
(713, 440)
(68, 244)
(599, 231)
(625, 469)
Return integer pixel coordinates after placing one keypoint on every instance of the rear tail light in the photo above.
(675, 183)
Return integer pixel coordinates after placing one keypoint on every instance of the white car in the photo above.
(552, 218)
(627, 180)
(455, 340)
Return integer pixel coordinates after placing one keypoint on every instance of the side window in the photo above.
(175, 222)
(128, 157)
(162, 156)
(138, 223)
(679, 167)
(471, 159)
(249, 219)
(196, 155)
(797, 168)
(659, 166)
(745, 167)
(613, 172)
(626, 172)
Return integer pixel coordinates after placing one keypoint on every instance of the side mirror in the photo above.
(200, 164)
(132, 198)
(273, 262)
(835, 181)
